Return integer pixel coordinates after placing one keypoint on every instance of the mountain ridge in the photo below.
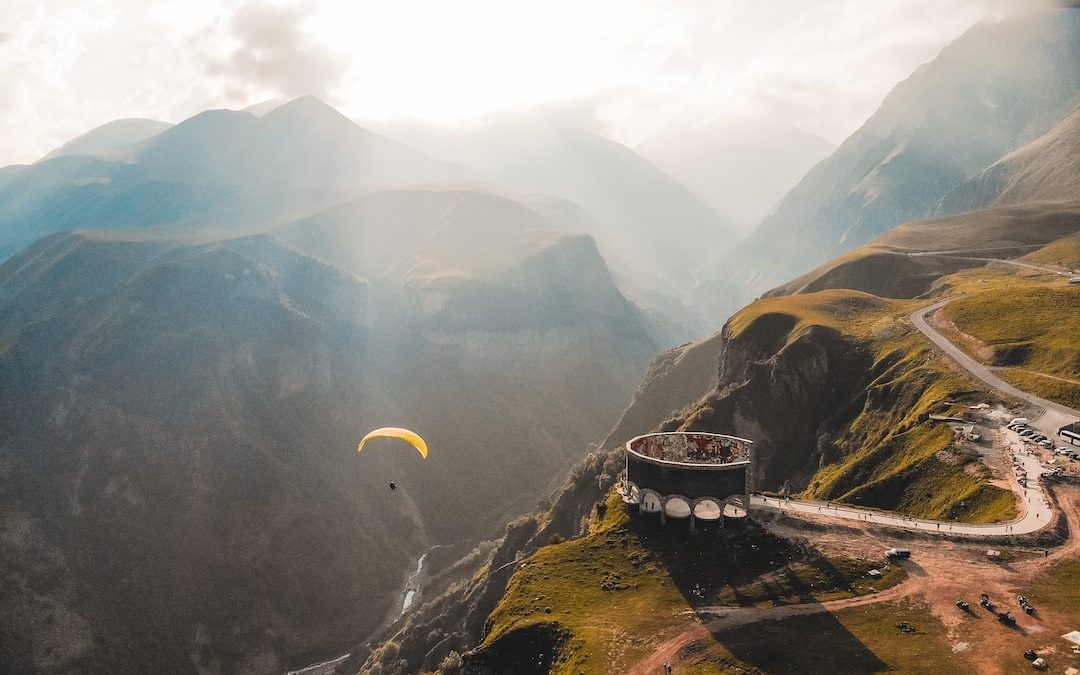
(950, 119)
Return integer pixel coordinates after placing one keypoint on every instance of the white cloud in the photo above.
(69, 65)
(274, 54)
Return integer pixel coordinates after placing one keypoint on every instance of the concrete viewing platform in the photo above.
(694, 475)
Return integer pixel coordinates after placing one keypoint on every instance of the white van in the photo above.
(1019, 420)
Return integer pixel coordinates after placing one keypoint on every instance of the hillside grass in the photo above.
(1064, 252)
(851, 312)
(887, 457)
(594, 597)
(1045, 386)
(1033, 326)
(911, 473)
(1030, 325)
(1059, 588)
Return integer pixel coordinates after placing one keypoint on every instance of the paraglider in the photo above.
(410, 437)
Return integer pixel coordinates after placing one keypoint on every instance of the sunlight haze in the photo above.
(636, 67)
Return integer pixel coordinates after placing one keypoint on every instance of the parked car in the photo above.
(1019, 420)
(1046, 444)
(1024, 433)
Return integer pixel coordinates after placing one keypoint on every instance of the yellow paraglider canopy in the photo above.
(410, 437)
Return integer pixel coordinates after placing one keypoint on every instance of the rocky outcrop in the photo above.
(774, 383)
(783, 389)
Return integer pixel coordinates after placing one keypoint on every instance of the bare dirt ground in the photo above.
(940, 572)
(970, 343)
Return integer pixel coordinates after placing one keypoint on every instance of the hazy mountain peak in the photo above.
(641, 217)
(219, 123)
(307, 110)
(263, 107)
(110, 136)
(305, 144)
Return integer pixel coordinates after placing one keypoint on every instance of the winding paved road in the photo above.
(1037, 512)
(1055, 416)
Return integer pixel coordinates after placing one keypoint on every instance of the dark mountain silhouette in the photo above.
(177, 464)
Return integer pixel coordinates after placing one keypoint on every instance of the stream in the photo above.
(412, 585)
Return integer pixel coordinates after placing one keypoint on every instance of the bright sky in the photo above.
(638, 65)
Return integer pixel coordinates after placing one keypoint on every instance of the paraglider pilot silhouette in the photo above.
(410, 437)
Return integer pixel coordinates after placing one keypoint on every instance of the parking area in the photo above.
(1057, 457)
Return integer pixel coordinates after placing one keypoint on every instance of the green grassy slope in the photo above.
(1064, 252)
(1029, 324)
(882, 453)
(584, 606)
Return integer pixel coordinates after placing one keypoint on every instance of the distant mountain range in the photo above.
(996, 88)
(656, 232)
(218, 170)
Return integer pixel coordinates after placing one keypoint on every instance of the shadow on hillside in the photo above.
(749, 570)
